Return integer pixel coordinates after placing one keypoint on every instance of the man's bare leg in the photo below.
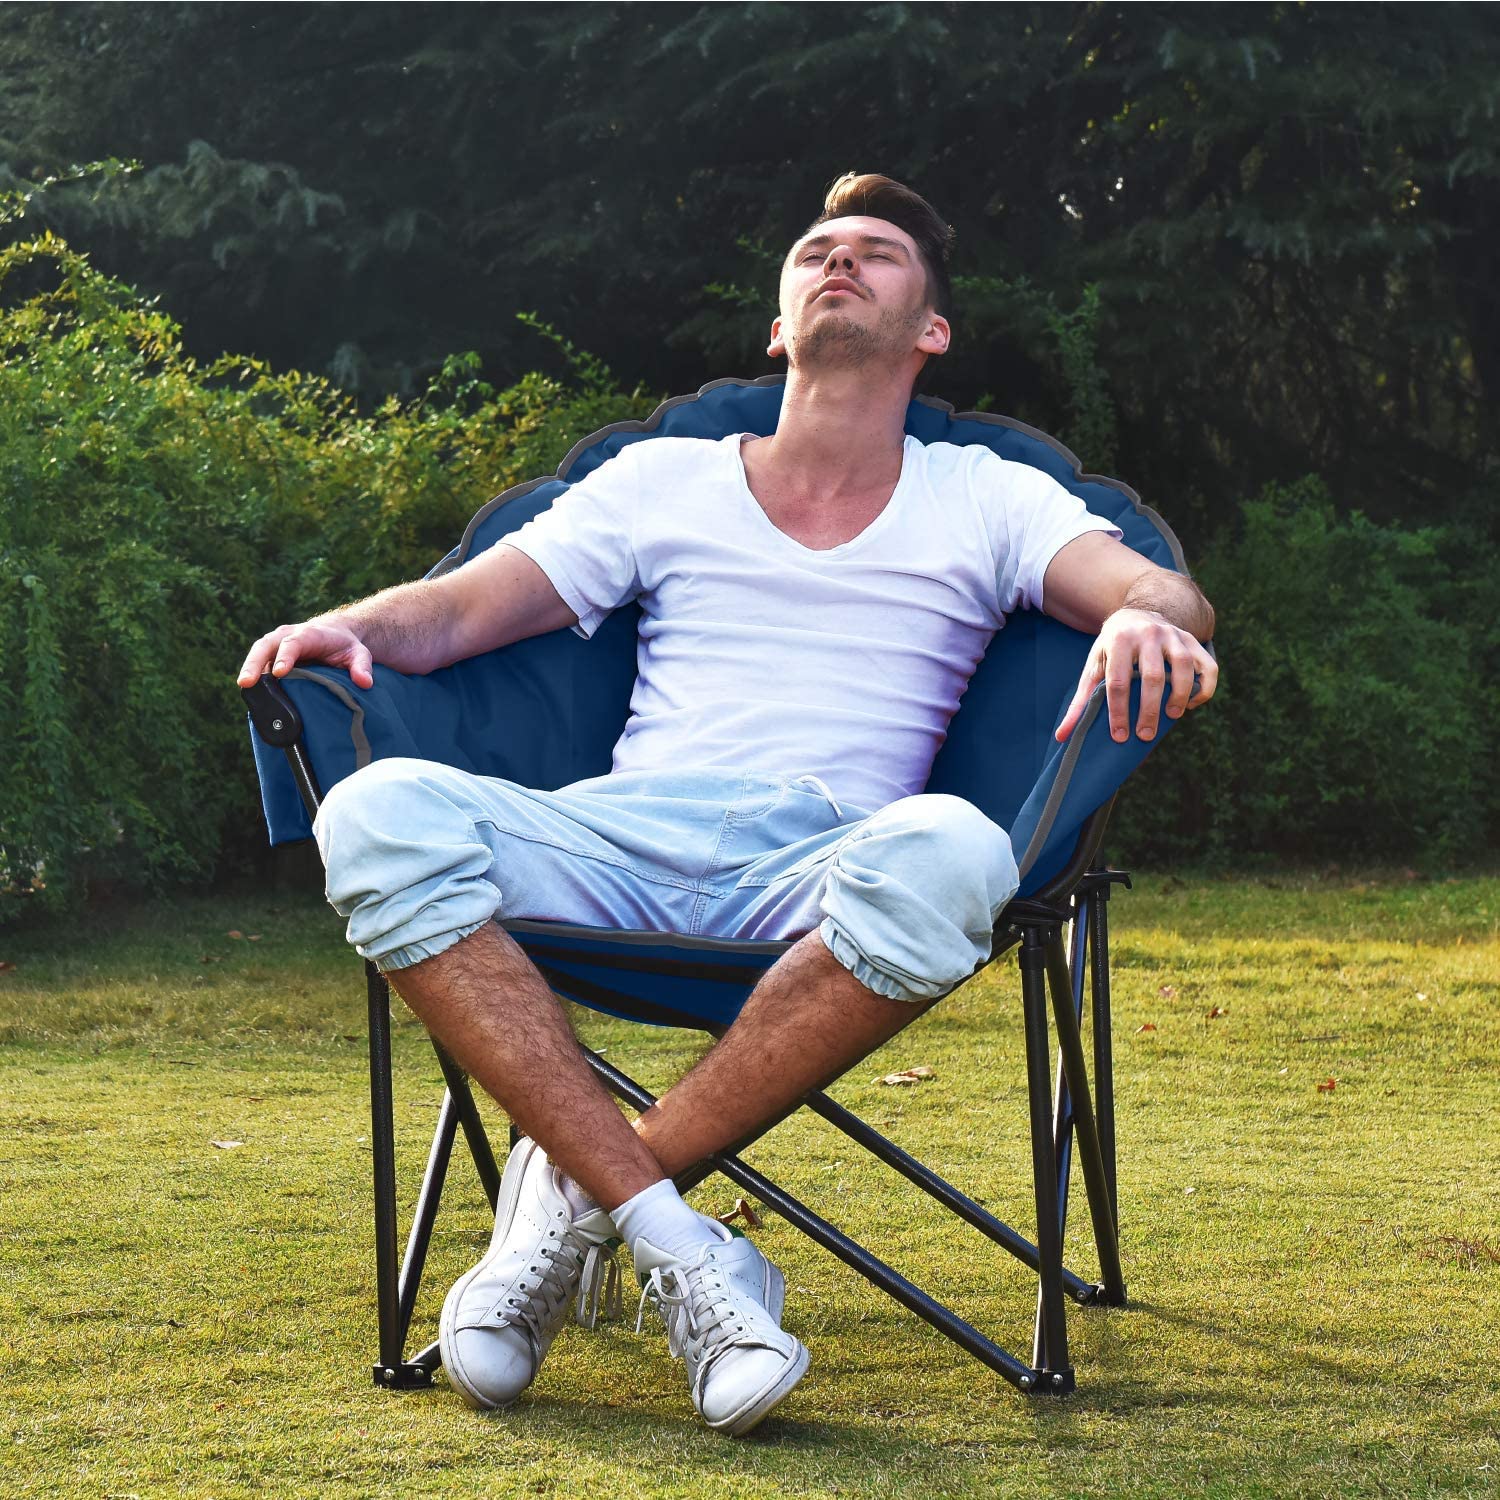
(485, 1002)
(808, 1019)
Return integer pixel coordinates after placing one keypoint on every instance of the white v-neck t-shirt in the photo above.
(757, 653)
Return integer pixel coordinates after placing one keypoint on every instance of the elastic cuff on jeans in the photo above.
(414, 953)
(844, 950)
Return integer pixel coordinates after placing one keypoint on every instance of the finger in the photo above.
(362, 667)
(1207, 681)
(1086, 685)
(1153, 684)
(1117, 691)
(257, 659)
(287, 653)
(1182, 683)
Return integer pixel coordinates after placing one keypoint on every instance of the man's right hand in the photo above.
(313, 640)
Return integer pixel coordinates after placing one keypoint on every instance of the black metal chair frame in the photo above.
(1073, 971)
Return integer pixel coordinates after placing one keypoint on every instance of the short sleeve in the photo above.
(585, 543)
(1037, 519)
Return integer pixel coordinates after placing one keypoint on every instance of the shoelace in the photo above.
(601, 1293)
(551, 1289)
(697, 1313)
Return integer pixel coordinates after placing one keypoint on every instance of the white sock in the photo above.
(658, 1215)
(578, 1200)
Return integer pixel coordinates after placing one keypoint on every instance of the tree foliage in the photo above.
(156, 515)
(1285, 209)
(1213, 248)
(1346, 724)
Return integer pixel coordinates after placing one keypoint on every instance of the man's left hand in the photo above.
(1141, 639)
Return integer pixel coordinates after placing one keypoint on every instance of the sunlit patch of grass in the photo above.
(1313, 1270)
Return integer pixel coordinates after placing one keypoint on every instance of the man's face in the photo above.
(854, 291)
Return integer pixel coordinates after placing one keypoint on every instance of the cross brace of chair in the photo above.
(1071, 1115)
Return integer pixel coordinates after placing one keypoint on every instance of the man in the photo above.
(813, 605)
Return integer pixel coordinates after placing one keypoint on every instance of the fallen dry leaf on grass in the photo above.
(5, 968)
(1167, 991)
(226, 1145)
(234, 932)
(1217, 1011)
(741, 1210)
(1145, 1026)
(1328, 1085)
(908, 1075)
(211, 958)
(253, 938)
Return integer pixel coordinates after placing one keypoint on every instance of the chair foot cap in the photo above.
(402, 1377)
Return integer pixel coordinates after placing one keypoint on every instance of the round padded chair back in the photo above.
(1002, 733)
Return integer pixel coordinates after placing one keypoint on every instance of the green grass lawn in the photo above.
(1314, 1274)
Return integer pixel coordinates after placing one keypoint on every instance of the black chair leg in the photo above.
(943, 1192)
(425, 1215)
(1070, 1045)
(1062, 1105)
(1044, 965)
(1104, 1063)
(392, 1371)
(850, 1251)
(397, 1282)
(469, 1117)
(1050, 1351)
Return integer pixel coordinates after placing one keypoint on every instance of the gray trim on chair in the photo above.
(1059, 788)
(634, 935)
(356, 709)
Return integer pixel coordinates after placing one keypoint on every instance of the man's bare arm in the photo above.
(1147, 619)
(499, 597)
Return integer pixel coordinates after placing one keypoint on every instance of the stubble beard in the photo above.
(842, 342)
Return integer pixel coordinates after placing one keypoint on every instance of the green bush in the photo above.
(1349, 724)
(156, 515)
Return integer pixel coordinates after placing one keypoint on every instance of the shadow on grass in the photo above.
(1129, 1384)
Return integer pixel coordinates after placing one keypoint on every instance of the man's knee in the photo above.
(365, 811)
(911, 901)
(393, 825)
(943, 845)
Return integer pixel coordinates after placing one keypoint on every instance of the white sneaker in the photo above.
(500, 1318)
(723, 1315)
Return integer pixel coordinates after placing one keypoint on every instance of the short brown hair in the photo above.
(880, 197)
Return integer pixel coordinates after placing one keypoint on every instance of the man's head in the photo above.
(868, 280)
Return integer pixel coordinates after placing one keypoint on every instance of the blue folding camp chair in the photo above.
(546, 712)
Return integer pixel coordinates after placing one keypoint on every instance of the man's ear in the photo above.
(777, 347)
(936, 336)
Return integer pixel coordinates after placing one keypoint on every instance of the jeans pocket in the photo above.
(759, 795)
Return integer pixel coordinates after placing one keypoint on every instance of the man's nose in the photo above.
(841, 261)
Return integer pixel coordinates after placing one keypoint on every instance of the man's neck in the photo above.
(840, 431)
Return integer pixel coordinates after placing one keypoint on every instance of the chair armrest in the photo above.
(318, 714)
(540, 713)
(1078, 778)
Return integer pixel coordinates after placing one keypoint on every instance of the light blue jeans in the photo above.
(419, 855)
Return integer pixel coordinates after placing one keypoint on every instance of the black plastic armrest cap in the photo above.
(272, 713)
